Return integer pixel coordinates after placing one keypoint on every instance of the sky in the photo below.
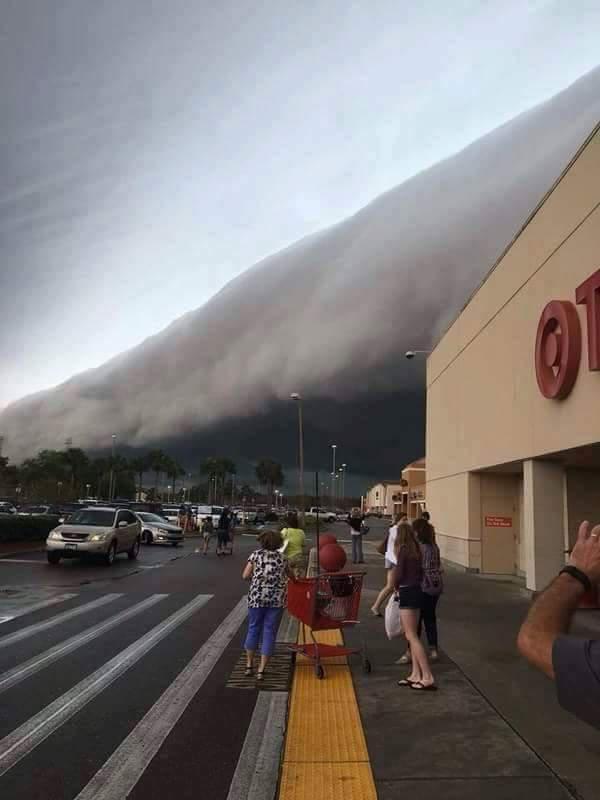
(151, 152)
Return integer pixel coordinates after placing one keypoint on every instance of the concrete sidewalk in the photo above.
(494, 728)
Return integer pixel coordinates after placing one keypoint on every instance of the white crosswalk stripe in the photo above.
(121, 772)
(35, 730)
(32, 630)
(19, 673)
(31, 607)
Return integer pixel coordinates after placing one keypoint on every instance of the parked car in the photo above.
(328, 516)
(157, 530)
(7, 508)
(98, 531)
(209, 511)
(38, 511)
(171, 513)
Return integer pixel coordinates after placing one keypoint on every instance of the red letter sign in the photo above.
(558, 348)
(588, 294)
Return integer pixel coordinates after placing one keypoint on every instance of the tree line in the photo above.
(55, 475)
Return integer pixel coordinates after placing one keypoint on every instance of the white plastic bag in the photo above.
(393, 623)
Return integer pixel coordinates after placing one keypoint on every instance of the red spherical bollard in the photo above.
(332, 557)
(327, 538)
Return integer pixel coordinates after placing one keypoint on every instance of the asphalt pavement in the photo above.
(114, 680)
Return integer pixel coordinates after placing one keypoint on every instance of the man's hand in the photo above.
(586, 553)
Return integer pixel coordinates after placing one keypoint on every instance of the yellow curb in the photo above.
(326, 756)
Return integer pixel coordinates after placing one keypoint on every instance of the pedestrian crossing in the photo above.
(118, 775)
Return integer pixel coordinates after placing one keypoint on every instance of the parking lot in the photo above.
(32, 568)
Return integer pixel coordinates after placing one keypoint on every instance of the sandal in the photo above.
(420, 687)
(406, 682)
(260, 675)
(249, 672)
(405, 659)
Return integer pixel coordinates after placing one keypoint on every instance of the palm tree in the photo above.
(139, 465)
(270, 474)
(210, 467)
(156, 462)
(77, 462)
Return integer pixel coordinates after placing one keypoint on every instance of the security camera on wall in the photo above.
(409, 354)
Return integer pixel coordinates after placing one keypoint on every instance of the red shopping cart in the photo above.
(330, 601)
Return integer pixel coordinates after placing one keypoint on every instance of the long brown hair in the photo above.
(406, 538)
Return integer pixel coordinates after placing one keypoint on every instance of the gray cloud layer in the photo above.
(151, 150)
(330, 315)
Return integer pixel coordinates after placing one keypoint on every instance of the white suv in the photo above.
(96, 531)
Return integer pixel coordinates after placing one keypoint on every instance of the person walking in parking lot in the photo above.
(407, 582)
(223, 533)
(356, 522)
(267, 570)
(572, 662)
(294, 542)
(208, 531)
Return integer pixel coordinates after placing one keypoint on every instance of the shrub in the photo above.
(22, 529)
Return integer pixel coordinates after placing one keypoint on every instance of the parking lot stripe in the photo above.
(257, 770)
(37, 663)
(121, 772)
(29, 609)
(38, 627)
(27, 736)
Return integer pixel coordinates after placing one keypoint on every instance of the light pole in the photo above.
(333, 449)
(344, 485)
(112, 469)
(297, 398)
(88, 486)
(59, 487)
(168, 493)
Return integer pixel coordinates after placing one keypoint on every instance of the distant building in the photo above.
(379, 498)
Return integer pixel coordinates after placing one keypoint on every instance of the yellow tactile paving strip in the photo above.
(327, 782)
(326, 755)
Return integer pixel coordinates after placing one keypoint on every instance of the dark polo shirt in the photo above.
(577, 670)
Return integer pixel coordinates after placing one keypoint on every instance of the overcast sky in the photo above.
(151, 151)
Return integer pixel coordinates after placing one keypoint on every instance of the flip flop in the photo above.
(405, 682)
(248, 672)
(420, 687)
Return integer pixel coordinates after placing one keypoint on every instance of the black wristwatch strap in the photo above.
(579, 576)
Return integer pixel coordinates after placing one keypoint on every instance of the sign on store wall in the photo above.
(558, 341)
(498, 522)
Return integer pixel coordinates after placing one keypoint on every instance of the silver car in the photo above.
(157, 530)
(96, 531)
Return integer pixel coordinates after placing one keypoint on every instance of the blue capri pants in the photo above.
(263, 624)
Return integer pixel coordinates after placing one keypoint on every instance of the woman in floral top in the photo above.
(267, 570)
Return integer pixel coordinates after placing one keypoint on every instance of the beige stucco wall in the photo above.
(380, 496)
(484, 407)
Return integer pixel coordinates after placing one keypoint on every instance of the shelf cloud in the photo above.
(331, 315)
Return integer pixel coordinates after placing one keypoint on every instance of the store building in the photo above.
(513, 393)
(411, 499)
(379, 498)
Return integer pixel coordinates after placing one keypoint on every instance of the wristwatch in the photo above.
(578, 575)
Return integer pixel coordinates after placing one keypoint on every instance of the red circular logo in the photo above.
(557, 349)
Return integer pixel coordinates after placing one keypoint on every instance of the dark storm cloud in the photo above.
(331, 315)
